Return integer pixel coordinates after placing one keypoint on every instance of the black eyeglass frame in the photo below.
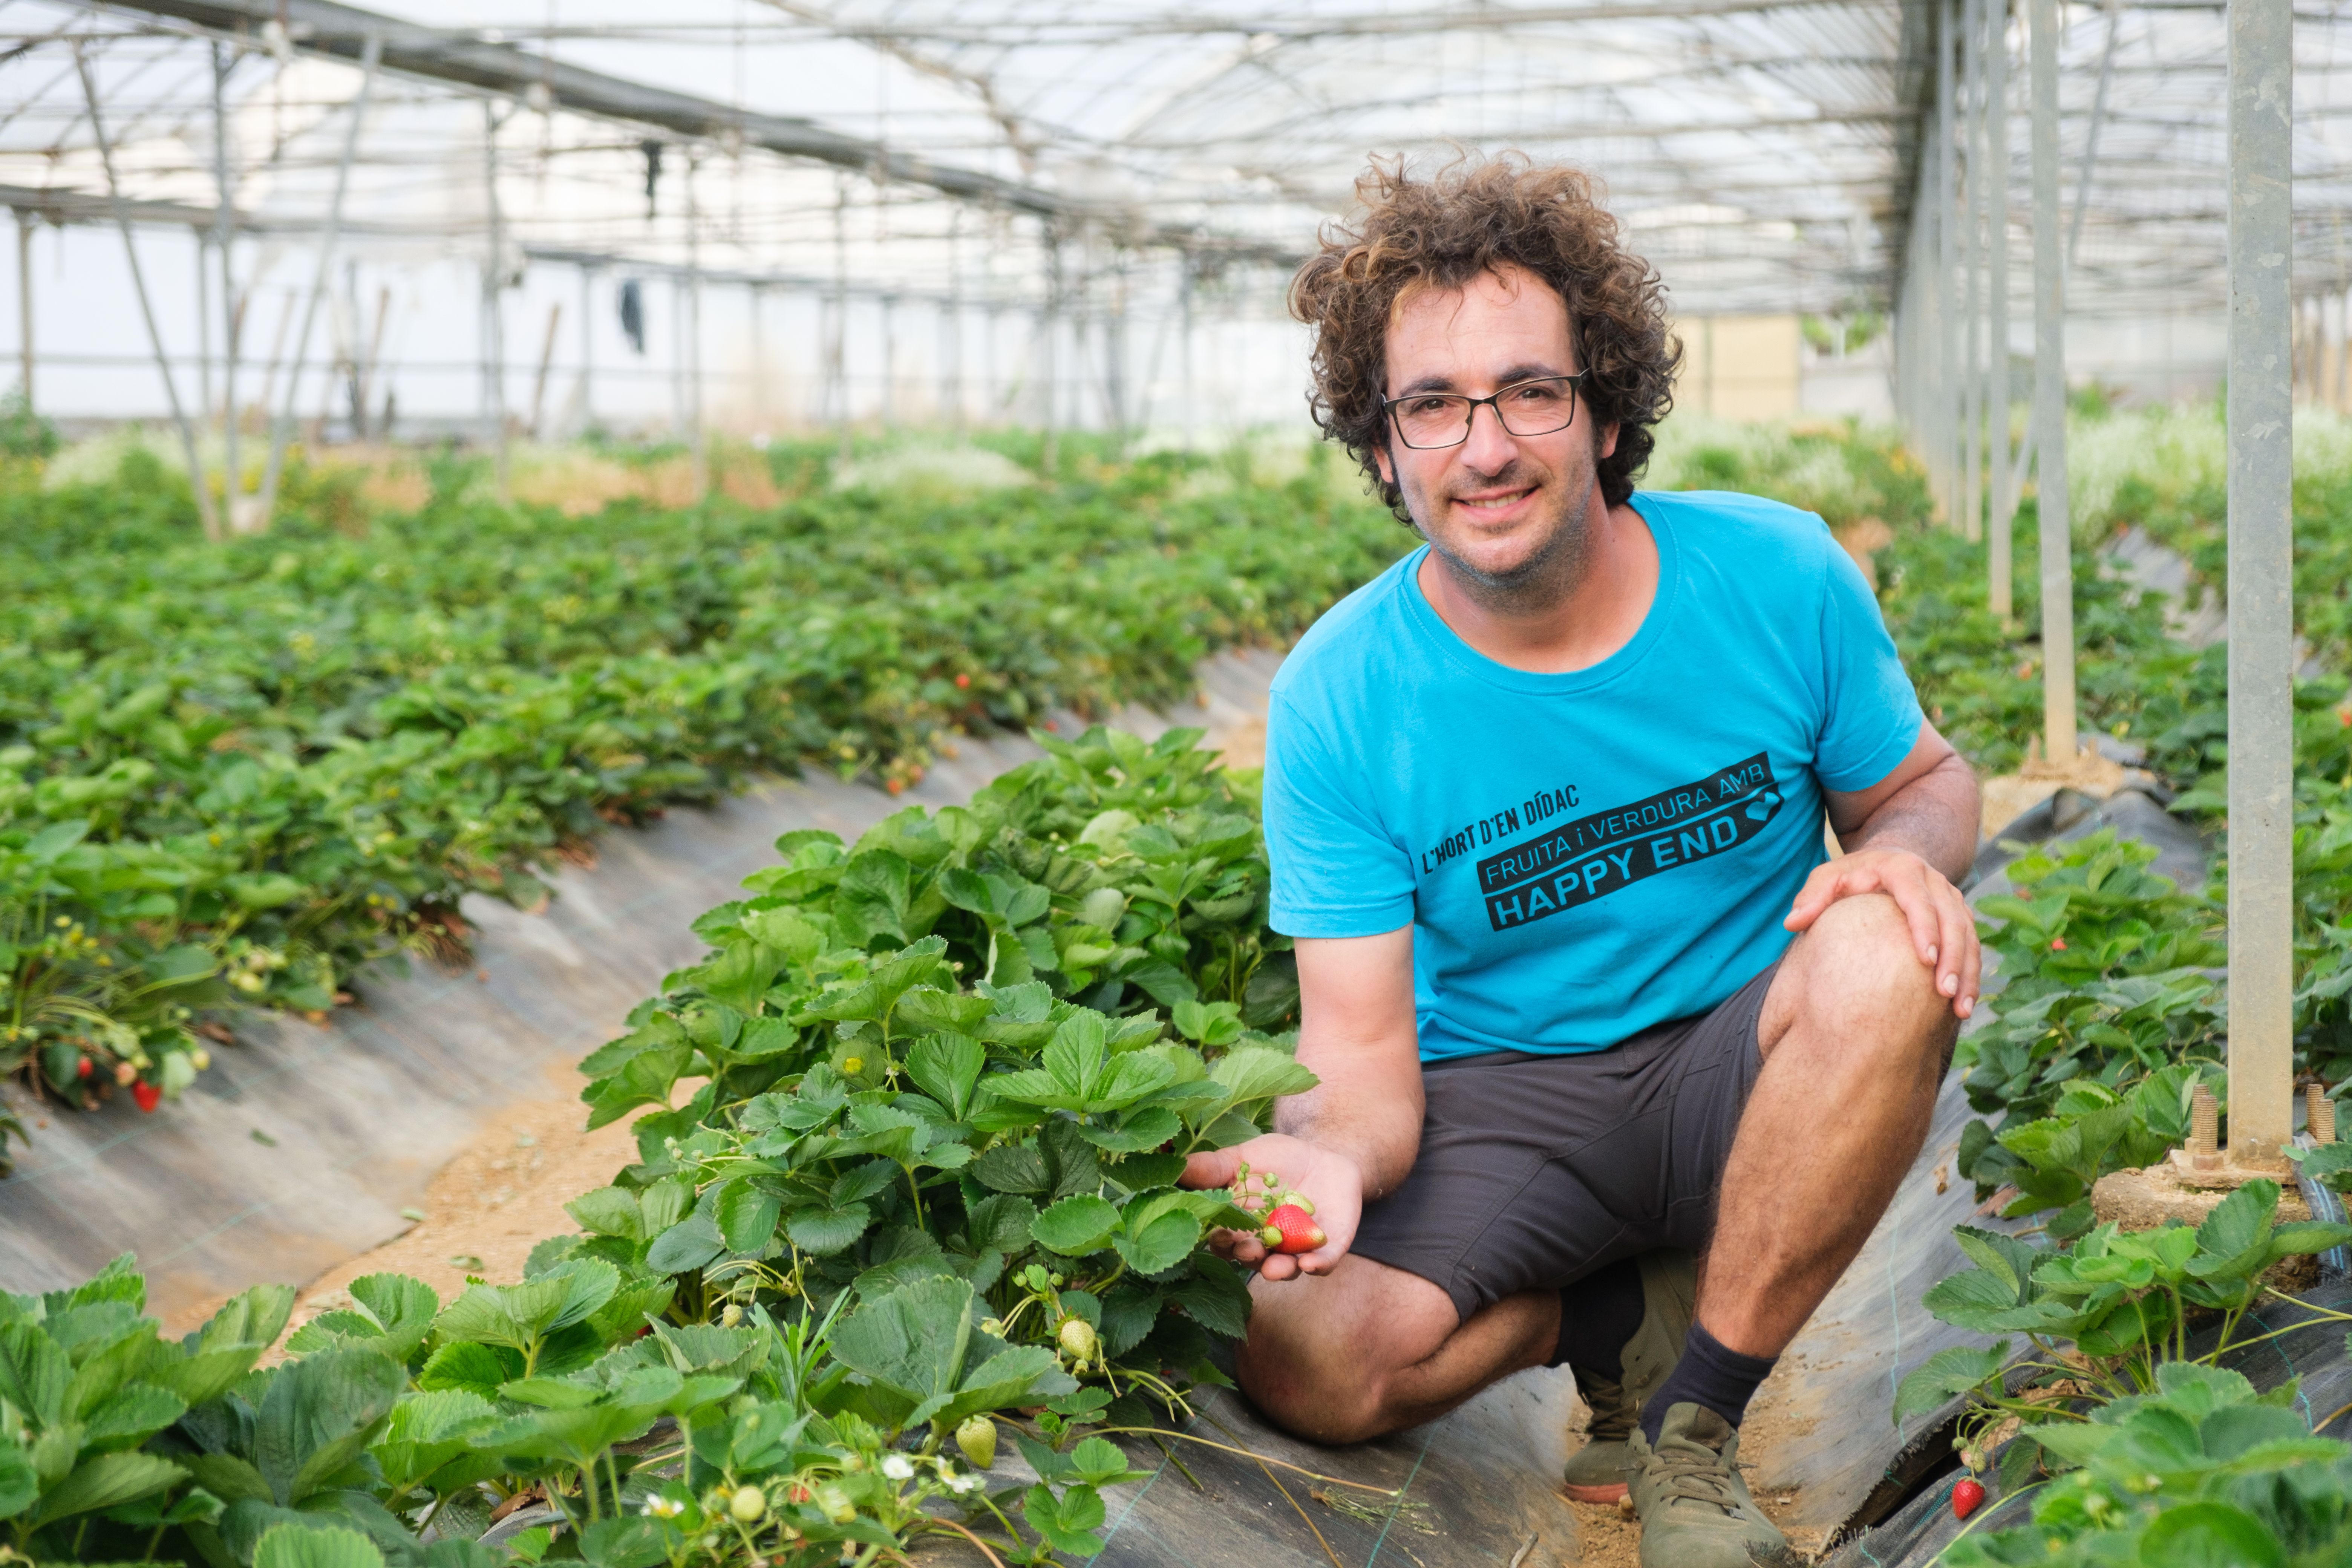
(1470, 414)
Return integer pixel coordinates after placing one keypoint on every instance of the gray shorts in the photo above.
(1534, 1171)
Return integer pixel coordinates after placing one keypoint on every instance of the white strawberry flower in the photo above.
(898, 1467)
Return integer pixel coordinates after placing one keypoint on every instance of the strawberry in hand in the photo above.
(1313, 1203)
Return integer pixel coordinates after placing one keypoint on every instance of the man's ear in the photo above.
(1606, 446)
(1380, 460)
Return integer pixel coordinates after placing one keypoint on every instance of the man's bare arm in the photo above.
(1928, 804)
(1911, 835)
(1354, 1136)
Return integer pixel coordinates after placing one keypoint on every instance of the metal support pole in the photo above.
(25, 306)
(756, 299)
(283, 426)
(1972, 398)
(1184, 304)
(546, 363)
(493, 320)
(2261, 580)
(206, 515)
(232, 315)
(837, 348)
(951, 397)
(2082, 194)
(587, 348)
(697, 447)
(2001, 595)
(1049, 327)
(2050, 400)
(203, 325)
(2090, 137)
(889, 362)
(1947, 356)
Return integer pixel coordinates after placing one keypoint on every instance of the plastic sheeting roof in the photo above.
(1759, 150)
(1763, 153)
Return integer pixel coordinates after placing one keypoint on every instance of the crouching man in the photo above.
(1586, 993)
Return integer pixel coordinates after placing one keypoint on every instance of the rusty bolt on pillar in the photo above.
(2319, 1113)
(2204, 1130)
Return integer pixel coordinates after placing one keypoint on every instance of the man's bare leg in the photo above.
(1367, 1348)
(1853, 1022)
(1855, 1040)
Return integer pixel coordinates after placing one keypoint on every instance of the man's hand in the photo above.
(1943, 927)
(1328, 1179)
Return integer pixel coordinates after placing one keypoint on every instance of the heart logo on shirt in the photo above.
(1761, 808)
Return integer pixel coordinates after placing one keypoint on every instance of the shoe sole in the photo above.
(1607, 1494)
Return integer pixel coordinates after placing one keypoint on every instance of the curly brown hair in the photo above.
(1481, 215)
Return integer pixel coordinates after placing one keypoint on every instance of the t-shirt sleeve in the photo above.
(1870, 715)
(1337, 871)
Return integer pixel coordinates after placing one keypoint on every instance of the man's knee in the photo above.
(1858, 978)
(1321, 1352)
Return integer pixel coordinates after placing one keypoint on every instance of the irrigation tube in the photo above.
(2260, 561)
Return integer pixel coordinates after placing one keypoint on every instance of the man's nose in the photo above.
(1490, 449)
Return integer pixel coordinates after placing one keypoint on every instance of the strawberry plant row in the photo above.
(922, 1194)
(238, 774)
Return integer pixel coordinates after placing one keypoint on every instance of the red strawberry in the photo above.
(85, 1068)
(1967, 1493)
(1291, 1229)
(963, 682)
(148, 1096)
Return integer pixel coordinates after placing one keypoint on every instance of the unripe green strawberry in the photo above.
(1077, 1337)
(834, 1499)
(749, 1505)
(1290, 1228)
(977, 1439)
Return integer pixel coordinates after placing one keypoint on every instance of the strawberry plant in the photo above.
(944, 1053)
(2200, 1470)
(2107, 1319)
(296, 753)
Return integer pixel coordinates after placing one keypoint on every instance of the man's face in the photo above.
(1506, 512)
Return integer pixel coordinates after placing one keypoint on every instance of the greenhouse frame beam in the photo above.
(341, 32)
(61, 208)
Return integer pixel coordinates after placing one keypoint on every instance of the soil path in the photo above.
(502, 1195)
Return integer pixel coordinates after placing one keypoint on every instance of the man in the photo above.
(1545, 807)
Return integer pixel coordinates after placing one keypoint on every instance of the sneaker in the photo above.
(1696, 1512)
(1597, 1472)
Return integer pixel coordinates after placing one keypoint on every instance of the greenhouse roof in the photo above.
(1764, 154)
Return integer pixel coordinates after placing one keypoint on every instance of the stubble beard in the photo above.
(1550, 573)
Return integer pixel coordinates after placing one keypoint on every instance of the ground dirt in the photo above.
(2008, 796)
(492, 1204)
(1609, 1536)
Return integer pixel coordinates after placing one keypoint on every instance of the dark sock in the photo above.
(1708, 1375)
(1597, 1315)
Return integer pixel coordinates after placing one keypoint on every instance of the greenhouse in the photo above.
(855, 782)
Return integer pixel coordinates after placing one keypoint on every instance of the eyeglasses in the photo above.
(1428, 420)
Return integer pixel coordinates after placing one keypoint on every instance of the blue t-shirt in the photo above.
(1583, 855)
